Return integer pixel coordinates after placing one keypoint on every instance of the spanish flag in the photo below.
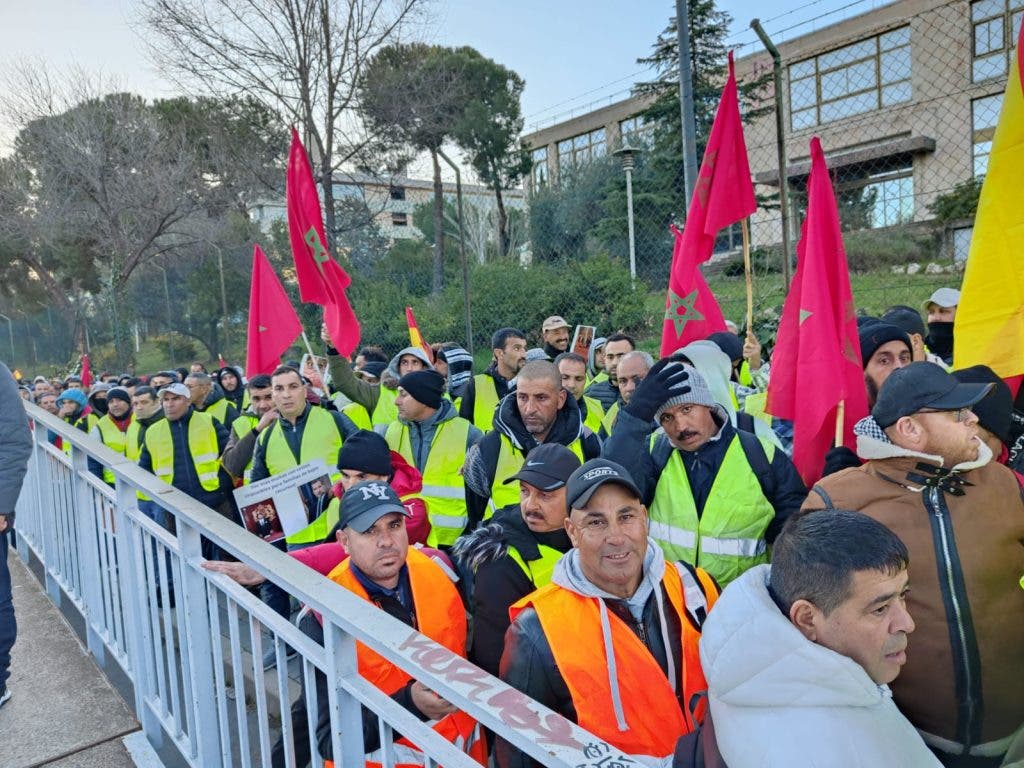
(989, 325)
(415, 337)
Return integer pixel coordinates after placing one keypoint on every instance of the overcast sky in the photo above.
(574, 54)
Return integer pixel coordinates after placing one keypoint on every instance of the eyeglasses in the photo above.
(961, 413)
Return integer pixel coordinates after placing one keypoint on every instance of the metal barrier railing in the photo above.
(195, 661)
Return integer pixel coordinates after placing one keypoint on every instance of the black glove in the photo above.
(666, 379)
(838, 459)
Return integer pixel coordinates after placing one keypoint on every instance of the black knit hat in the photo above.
(366, 451)
(729, 343)
(995, 410)
(907, 318)
(425, 387)
(119, 393)
(873, 335)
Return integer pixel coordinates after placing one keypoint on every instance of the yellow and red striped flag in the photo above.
(989, 324)
(415, 337)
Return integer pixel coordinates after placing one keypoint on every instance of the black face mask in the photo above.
(940, 339)
(99, 405)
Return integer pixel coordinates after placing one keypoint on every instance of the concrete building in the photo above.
(904, 97)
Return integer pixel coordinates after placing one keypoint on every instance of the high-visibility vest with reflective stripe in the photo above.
(133, 448)
(440, 616)
(610, 417)
(112, 437)
(242, 426)
(537, 571)
(728, 538)
(756, 404)
(510, 461)
(595, 413)
(202, 447)
(645, 719)
(485, 402)
(321, 439)
(66, 444)
(443, 488)
(385, 411)
(359, 415)
(219, 410)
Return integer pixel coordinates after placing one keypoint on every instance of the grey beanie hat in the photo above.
(699, 394)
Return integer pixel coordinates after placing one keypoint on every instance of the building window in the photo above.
(397, 193)
(580, 150)
(867, 75)
(540, 167)
(870, 197)
(984, 116)
(994, 25)
(399, 219)
(635, 130)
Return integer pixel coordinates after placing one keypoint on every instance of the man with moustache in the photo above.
(931, 480)
(718, 496)
(555, 332)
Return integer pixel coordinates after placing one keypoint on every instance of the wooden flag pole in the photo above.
(312, 359)
(749, 275)
(840, 420)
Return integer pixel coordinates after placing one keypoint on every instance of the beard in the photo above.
(872, 388)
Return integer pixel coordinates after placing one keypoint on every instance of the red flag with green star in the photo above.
(816, 361)
(723, 195)
(321, 279)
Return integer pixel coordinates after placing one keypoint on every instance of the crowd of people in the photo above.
(627, 541)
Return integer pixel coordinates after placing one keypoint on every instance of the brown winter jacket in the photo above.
(961, 684)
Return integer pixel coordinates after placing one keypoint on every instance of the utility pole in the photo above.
(689, 123)
(462, 254)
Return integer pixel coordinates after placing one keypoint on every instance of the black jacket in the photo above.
(604, 392)
(628, 445)
(498, 580)
(482, 459)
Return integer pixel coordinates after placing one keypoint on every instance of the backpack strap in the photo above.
(824, 496)
(744, 421)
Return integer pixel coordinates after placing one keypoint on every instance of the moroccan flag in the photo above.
(989, 325)
(273, 324)
(86, 372)
(722, 196)
(415, 337)
(816, 362)
(321, 279)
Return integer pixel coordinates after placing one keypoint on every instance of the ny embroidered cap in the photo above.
(367, 502)
(585, 481)
(548, 467)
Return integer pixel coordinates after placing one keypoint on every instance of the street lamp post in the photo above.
(10, 329)
(627, 156)
(170, 331)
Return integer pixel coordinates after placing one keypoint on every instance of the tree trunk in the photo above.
(503, 238)
(438, 278)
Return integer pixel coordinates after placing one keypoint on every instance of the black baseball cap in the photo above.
(365, 503)
(585, 481)
(548, 467)
(923, 385)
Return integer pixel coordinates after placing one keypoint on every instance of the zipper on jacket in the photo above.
(954, 588)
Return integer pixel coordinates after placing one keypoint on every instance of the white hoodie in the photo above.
(777, 699)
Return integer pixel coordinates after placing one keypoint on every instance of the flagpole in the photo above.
(840, 419)
(312, 357)
(749, 275)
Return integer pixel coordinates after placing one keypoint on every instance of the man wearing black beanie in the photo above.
(430, 435)
(884, 348)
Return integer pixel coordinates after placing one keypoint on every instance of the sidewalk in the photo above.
(63, 712)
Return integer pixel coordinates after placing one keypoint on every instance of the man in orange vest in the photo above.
(612, 642)
(384, 570)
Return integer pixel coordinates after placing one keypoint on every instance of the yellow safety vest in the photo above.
(485, 403)
(728, 538)
(202, 446)
(755, 404)
(610, 417)
(219, 410)
(385, 411)
(133, 448)
(443, 488)
(359, 415)
(601, 376)
(112, 437)
(510, 461)
(242, 426)
(321, 439)
(538, 571)
(595, 413)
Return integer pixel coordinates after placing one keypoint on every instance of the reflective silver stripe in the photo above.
(692, 593)
(204, 457)
(165, 472)
(449, 521)
(207, 476)
(733, 547)
(443, 492)
(492, 505)
(678, 537)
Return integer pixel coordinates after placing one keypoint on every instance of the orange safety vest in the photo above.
(441, 617)
(654, 719)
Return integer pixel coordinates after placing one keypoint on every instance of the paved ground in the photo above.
(63, 712)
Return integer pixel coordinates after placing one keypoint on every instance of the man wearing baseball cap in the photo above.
(932, 481)
(941, 308)
(612, 642)
(383, 569)
(718, 495)
(516, 551)
(555, 332)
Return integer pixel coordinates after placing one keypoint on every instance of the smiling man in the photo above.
(611, 642)
(931, 480)
(798, 655)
